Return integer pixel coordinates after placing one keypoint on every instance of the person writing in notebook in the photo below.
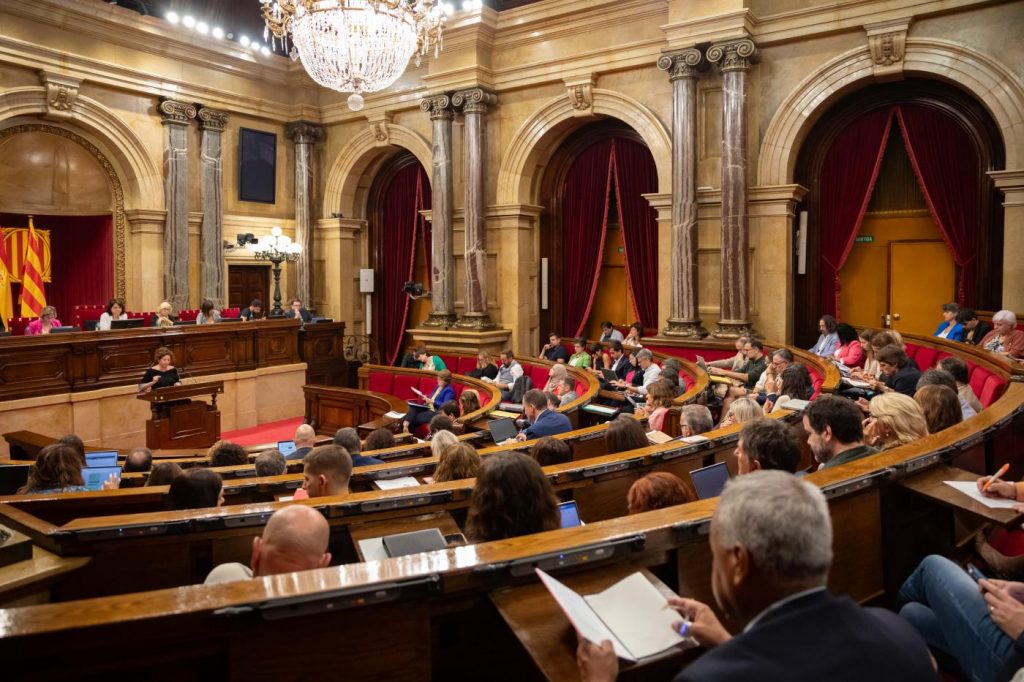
(770, 577)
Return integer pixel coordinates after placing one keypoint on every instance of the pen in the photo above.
(1002, 470)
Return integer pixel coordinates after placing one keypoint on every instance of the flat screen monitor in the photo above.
(286, 447)
(130, 323)
(569, 514)
(230, 319)
(103, 458)
(94, 477)
(709, 481)
(502, 429)
(182, 323)
(62, 330)
(318, 320)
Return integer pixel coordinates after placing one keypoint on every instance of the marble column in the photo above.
(733, 59)
(304, 135)
(474, 105)
(176, 117)
(442, 276)
(1011, 183)
(211, 123)
(684, 313)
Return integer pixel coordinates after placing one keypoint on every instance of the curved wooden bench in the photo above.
(399, 382)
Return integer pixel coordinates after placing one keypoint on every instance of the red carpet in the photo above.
(264, 433)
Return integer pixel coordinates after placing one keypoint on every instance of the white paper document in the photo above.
(394, 415)
(373, 549)
(657, 437)
(395, 483)
(970, 488)
(629, 614)
(419, 393)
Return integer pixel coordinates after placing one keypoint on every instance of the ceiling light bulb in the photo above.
(188, 20)
(276, 231)
(355, 102)
(173, 17)
(203, 27)
(244, 40)
(217, 32)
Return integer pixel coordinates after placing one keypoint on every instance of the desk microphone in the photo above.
(190, 375)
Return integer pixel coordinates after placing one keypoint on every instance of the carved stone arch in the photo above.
(522, 166)
(990, 82)
(140, 178)
(116, 189)
(353, 171)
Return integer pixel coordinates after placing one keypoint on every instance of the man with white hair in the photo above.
(1005, 338)
(771, 548)
(295, 539)
(305, 440)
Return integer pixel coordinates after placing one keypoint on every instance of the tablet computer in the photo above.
(569, 514)
(103, 458)
(286, 447)
(502, 429)
(413, 543)
(709, 481)
(95, 477)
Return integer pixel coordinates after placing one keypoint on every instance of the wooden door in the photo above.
(612, 300)
(921, 279)
(246, 282)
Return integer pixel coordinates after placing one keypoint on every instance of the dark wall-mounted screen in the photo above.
(257, 165)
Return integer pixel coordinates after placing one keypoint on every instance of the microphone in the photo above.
(190, 375)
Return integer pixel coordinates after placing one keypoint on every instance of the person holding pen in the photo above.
(1003, 550)
(771, 549)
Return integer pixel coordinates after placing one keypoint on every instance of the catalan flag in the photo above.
(6, 301)
(33, 296)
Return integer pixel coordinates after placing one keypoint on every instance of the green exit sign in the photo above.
(866, 239)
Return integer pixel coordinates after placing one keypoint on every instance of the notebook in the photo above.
(95, 477)
(502, 429)
(414, 542)
(709, 481)
(629, 614)
(286, 447)
(569, 514)
(104, 458)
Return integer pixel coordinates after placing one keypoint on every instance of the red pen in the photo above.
(1002, 470)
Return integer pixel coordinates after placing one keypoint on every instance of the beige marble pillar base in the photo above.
(462, 340)
(733, 329)
(684, 329)
(480, 321)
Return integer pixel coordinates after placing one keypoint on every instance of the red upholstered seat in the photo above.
(926, 357)
(145, 317)
(427, 384)
(82, 313)
(992, 390)
(16, 325)
(816, 381)
(538, 375)
(979, 375)
(230, 312)
(580, 388)
(187, 315)
(466, 364)
(708, 354)
(451, 362)
(402, 388)
(942, 356)
(380, 382)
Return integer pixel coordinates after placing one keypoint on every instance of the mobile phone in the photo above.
(973, 571)
(455, 539)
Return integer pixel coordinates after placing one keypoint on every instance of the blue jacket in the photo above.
(955, 334)
(443, 395)
(548, 424)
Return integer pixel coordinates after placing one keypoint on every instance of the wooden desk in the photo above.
(930, 485)
(548, 636)
(28, 582)
(443, 521)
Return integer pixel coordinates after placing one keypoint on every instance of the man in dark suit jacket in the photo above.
(543, 422)
(974, 329)
(295, 309)
(770, 576)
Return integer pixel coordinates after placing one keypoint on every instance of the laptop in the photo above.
(230, 319)
(709, 481)
(62, 330)
(182, 323)
(95, 477)
(502, 429)
(130, 323)
(609, 375)
(415, 542)
(319, 320)
(104, 458)
(286, 447)
(569, 514)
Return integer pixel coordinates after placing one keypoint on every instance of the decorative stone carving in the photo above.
(581, 94)
(304, 135)
(212, 122)
(474, 105)
(61, 93)
(442, 274)
(379, 129)
(887, 43)
(682, 64)
(176, 112)
(212, 119)
(735, 55)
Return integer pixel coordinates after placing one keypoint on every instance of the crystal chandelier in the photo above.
(356, 45)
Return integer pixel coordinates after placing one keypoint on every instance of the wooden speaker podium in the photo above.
(178, 421)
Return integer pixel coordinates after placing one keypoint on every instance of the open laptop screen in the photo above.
(709, 481)
(94, 477)
(286, 447)
(502, 429)
(105, 458)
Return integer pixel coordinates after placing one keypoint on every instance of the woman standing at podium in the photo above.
(161, 375)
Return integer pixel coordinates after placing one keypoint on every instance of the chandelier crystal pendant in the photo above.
(356, 46)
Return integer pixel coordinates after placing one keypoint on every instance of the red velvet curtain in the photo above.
(848, 176)
(402, 227)
(584, 226)
(635, 174)
(81, 260)
(948, 169)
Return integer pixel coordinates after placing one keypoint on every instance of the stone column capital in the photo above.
(438, 106)
(474, 100)
(176, 113)
(682, 64)
(734, 55)
(304, 132)
(213, 120)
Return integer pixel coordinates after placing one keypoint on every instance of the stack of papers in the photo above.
(970, 488)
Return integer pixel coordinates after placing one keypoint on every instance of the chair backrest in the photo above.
(147, 318)
(84, 313)
(16, 325)
(187, 315)
(230, 312)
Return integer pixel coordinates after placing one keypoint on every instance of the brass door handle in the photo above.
(895, 316)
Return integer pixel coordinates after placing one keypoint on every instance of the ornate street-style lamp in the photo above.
(277, 248)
